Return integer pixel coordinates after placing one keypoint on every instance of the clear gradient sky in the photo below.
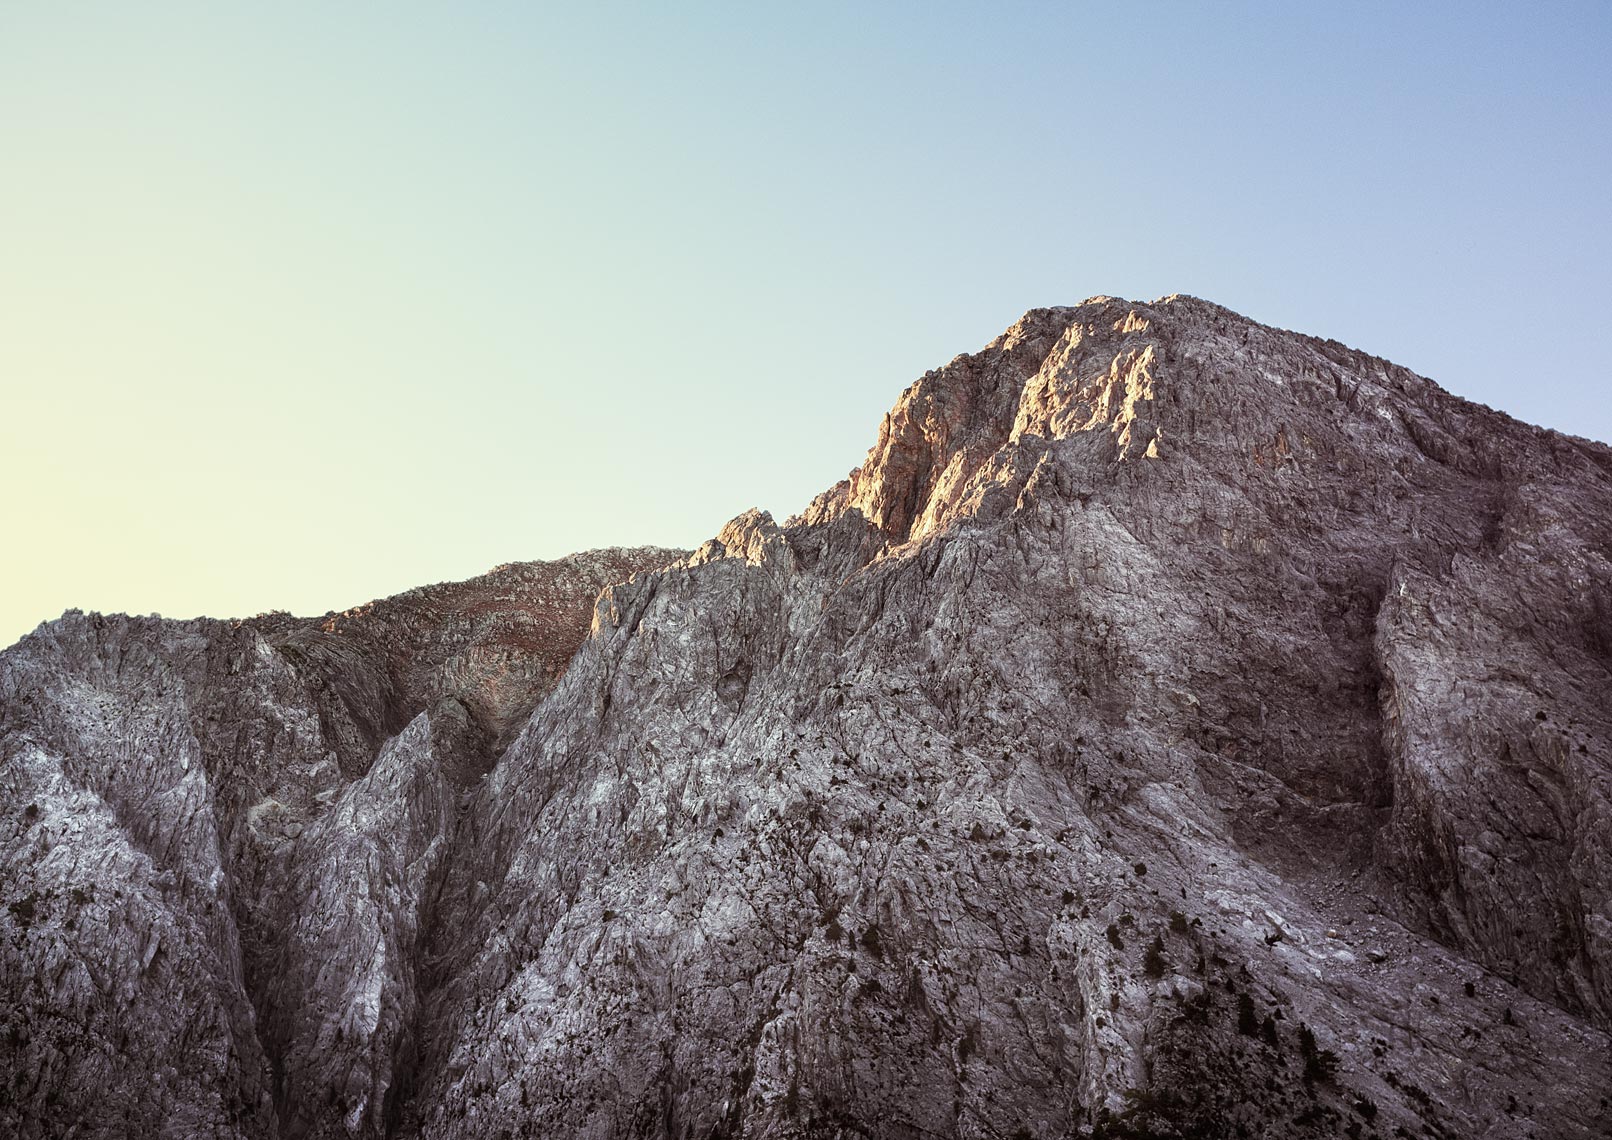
(307, 303)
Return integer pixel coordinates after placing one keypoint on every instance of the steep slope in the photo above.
(211, 831)
(1176, 727)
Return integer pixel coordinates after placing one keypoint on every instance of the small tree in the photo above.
(1154, 965)
(1319, 1064)
(1247, 1020)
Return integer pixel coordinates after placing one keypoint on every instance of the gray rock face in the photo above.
(219, 840)
(1176, 727)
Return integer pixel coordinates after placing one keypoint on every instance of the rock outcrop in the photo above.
(1176, 727)
(219, 842)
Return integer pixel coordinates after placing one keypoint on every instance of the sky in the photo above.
(304, 304)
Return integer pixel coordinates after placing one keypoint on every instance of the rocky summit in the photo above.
(1176, 727)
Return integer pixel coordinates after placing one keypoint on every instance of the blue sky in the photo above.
(306, 304)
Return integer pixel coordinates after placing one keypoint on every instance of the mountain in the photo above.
(1176, 727)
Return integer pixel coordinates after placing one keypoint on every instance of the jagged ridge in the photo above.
(1176, 726)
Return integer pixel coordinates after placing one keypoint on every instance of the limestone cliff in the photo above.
(1176, 727)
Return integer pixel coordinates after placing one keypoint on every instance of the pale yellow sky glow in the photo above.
(305, 305)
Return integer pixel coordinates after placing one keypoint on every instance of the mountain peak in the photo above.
(1176, 726)
(1180, 380)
